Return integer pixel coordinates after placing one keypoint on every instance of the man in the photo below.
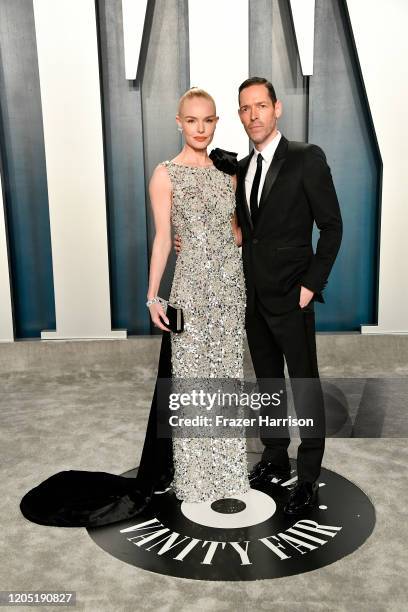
(283, 188)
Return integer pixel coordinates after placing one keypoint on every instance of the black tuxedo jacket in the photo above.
(277, 252)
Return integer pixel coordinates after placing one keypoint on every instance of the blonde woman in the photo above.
(198, 199)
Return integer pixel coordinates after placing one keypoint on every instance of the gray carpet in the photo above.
(84, 406)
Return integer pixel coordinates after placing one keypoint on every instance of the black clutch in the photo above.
(176, 318)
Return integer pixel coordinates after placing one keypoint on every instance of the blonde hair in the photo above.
(195, 92)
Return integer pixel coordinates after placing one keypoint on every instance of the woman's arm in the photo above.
(234, 221)
(160, 198)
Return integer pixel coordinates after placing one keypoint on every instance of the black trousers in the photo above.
(272, 339)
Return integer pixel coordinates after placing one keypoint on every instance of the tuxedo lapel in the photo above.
(243, 198)
(273, 171)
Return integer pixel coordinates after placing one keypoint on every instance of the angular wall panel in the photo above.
(71, 105)
(339, 121)
(124, 175)
(6, 315)
(24, 172)
(382, 45)
(219, 62)
(165, 78)
(273, 55)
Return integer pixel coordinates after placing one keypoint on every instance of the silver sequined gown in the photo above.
(209, 285)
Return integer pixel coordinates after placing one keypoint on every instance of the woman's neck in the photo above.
(193, 157)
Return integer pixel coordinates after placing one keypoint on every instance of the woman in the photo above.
(208, 284)
(199, 199)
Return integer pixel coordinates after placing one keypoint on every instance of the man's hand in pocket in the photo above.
(305, 297)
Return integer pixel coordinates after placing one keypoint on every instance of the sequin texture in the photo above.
(209, 285)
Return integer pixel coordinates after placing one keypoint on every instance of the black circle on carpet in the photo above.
(247, 537)
(229, 505)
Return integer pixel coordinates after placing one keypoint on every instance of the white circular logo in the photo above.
(258, 507)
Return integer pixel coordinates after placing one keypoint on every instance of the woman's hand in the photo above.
(238, 236)
(236, 230)
(158, 315)
(177, 244)
(234, 220)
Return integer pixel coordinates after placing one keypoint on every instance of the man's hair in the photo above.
(195, 92)
(259, 81)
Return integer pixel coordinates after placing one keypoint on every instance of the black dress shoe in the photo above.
(264, 471)
(302, 498)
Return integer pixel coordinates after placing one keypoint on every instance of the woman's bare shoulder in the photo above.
(160, 176)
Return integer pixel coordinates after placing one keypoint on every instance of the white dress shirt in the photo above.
(267, 154)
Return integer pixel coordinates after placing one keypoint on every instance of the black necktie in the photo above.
(253, 202)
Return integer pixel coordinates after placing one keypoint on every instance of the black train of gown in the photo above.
(79, 498)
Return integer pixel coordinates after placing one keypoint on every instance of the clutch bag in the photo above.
(176, 318)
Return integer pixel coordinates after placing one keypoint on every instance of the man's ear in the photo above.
(278, 109)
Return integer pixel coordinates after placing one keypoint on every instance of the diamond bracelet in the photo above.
(156, 300)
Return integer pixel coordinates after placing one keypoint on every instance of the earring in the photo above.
(180, 129)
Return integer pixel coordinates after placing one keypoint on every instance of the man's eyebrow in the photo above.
(259, 102)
